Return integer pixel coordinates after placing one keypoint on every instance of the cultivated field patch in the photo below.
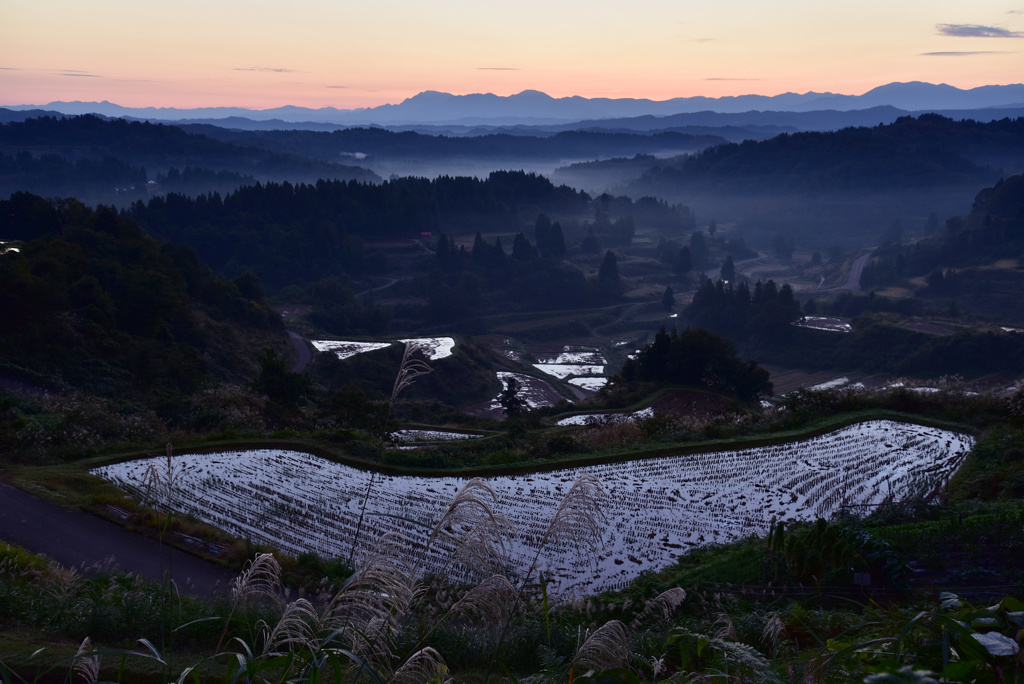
(929, 328)
(432, 347)
(412, 435)
(654, 509)
(344, 349)
(605, 418)
(824, 323)
(589, 384)
(572, 361)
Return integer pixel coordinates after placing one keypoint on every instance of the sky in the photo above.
(363, 53)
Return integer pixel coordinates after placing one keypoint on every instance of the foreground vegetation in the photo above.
(772, 609)
(116, 345)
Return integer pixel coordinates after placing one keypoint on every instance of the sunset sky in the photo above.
(349, 54)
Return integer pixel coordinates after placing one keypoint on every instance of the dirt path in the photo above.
(79, 539)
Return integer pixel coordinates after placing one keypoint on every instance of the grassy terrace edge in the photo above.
(816, 429)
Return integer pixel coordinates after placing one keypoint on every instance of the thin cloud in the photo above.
(719, 78)
(9, 69)
(964, 54)
(338, 87)
(700, 40)
(274, 70)
(497, 69)
(78, 74)
(976, 31)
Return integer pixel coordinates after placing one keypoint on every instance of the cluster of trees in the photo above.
(92, 300)
(337, 311)
(699, 358)
(463, 282)
(697, 252)
(737, 312)
(297, 234)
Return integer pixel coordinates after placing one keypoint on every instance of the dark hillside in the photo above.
(377, 143)
(297, 234)
(928, 151)
(90, 301)
(46, 155)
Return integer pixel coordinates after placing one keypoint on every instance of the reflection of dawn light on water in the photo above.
(656, 508)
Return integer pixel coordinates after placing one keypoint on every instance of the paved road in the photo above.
(305, 354)
(853, 281)
(79, 539)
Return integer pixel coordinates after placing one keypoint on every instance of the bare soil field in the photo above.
(786, 380)
(930, 328)
(520, 326)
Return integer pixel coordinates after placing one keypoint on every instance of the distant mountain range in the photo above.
(532, 108)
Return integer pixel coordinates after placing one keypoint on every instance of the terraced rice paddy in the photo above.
(572, 362)
(824, 323)
(431, 435)
(604, 418)
(589, 384)
(432, 347)
(655, 509)
(347, 348)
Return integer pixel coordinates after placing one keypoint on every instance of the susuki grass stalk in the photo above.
(470, 522)
(576, 522)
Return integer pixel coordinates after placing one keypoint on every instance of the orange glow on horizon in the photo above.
(318, 53)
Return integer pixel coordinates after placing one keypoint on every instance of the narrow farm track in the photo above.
(81, 540)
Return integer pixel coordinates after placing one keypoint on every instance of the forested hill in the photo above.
(929, 151)
(296, 234)
(90, 301)
(79, 156)
(973, 258)
(374, 144)
(993, 230)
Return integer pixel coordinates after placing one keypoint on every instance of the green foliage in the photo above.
(700, 358)
(101, 305)
(995, 468)
(280, 384)
(510, 400)
(828, 555)
(668, 299)
(296, 234)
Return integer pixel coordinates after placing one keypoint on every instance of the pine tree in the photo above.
(608, 274)
(557, 241)
(668, 300)
(728, 272)
(683, 262)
